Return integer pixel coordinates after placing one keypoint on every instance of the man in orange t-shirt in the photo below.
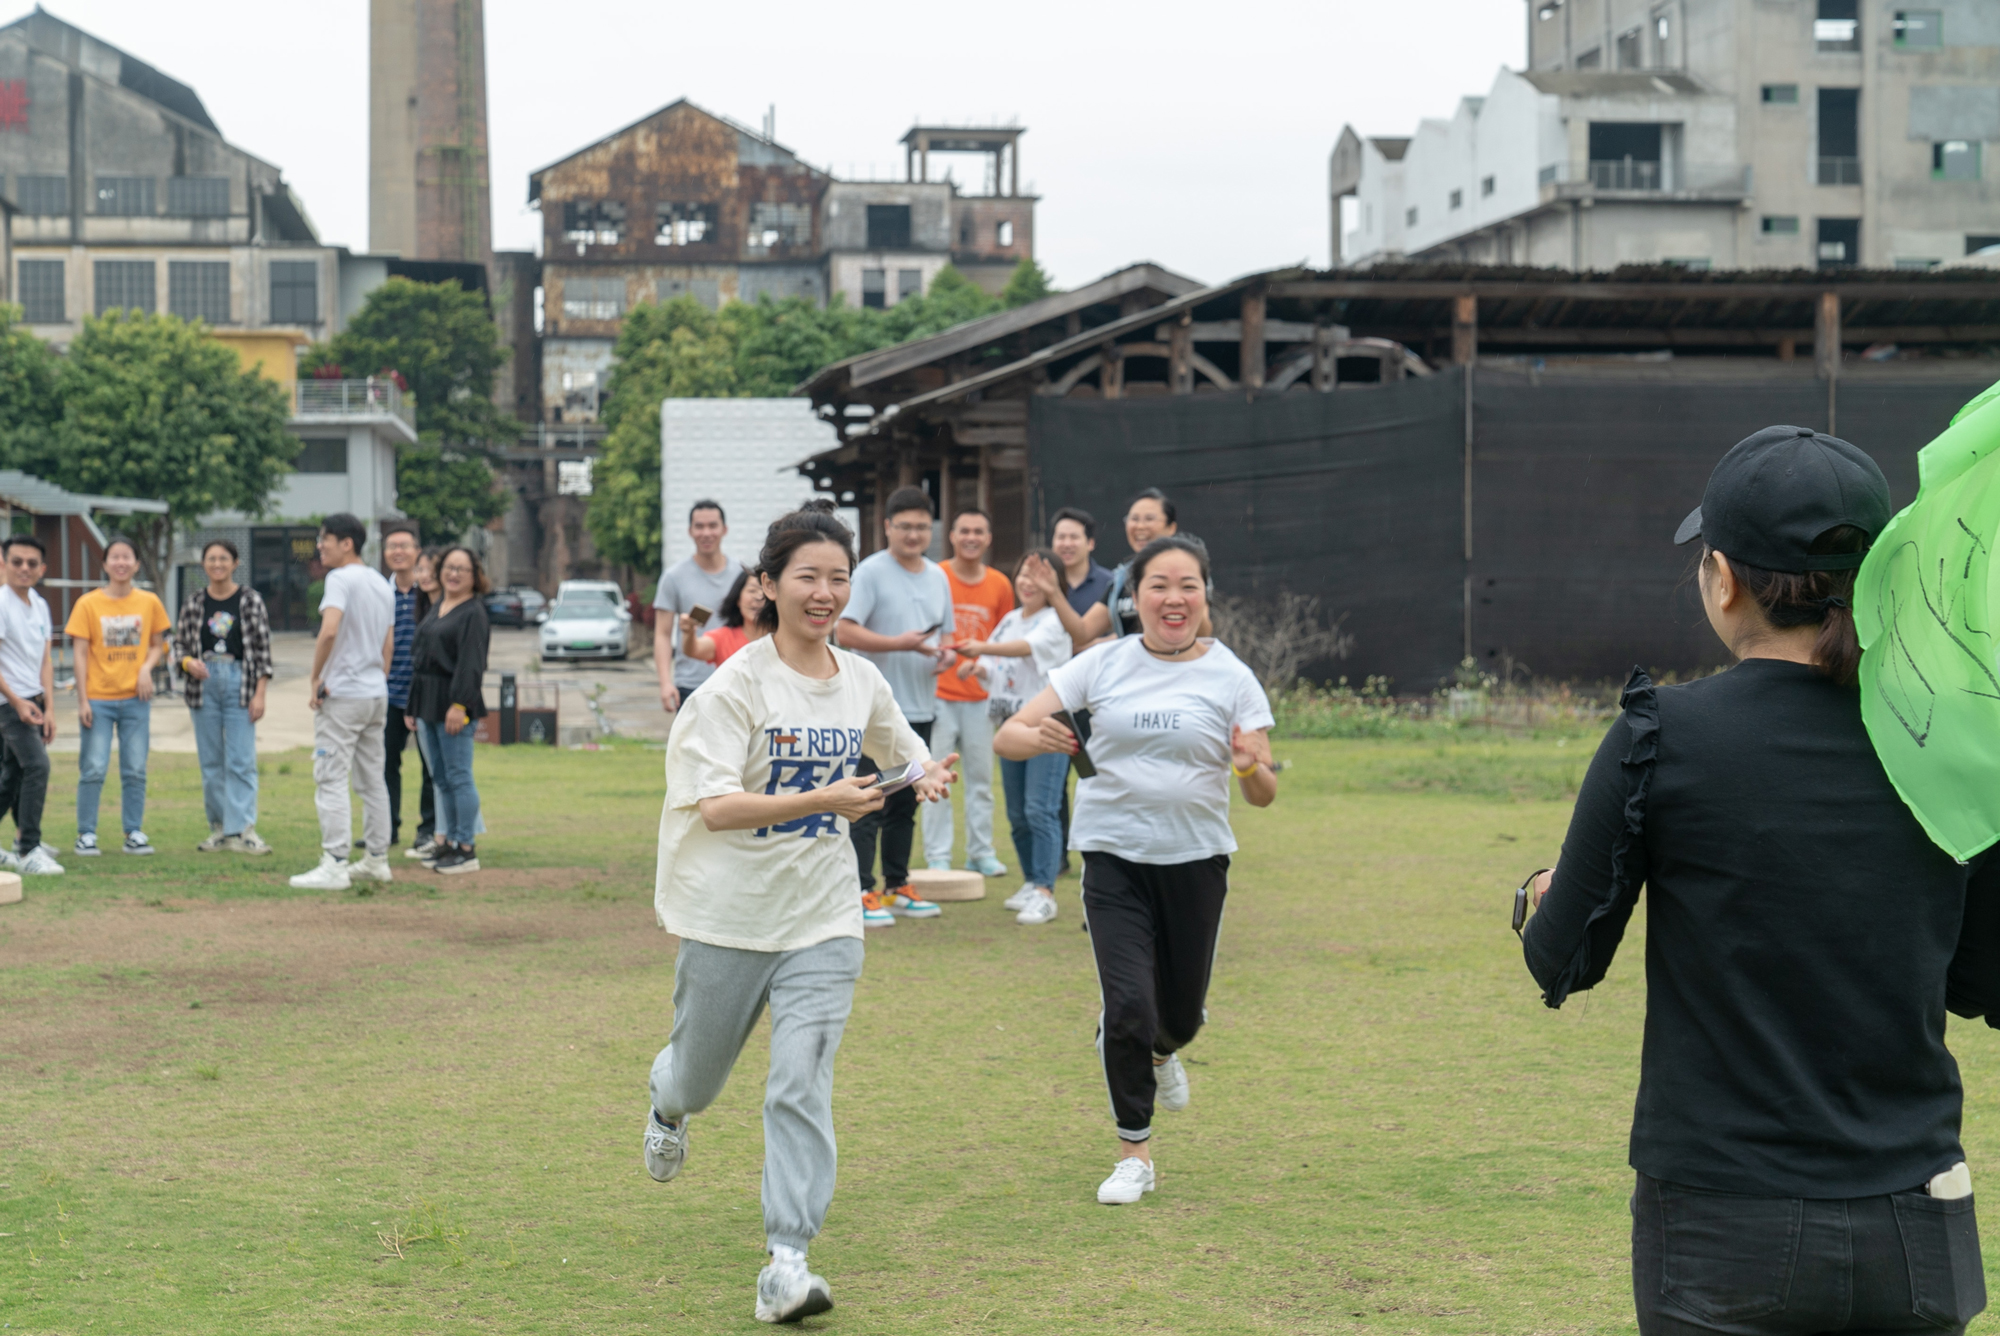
(980, 597)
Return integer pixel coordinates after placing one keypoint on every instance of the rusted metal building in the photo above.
(1461, 462)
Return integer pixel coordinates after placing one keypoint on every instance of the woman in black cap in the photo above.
(1796, 1129)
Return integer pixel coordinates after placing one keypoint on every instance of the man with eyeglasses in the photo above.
(27, 726)
(900, 617)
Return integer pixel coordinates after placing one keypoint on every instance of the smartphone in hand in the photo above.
(1081, 760)
(888, 782)
(700, 615)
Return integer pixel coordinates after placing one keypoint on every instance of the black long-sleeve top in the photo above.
(1799, 934)
(449, 662)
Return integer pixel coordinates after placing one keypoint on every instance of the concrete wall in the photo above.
(844, 220)
(249, 281)
(843, 272)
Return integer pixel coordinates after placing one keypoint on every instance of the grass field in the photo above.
(226, 1106)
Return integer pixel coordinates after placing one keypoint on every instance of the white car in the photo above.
(581, 589)
(584, 626)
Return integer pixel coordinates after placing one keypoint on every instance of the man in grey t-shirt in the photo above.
(703, 581)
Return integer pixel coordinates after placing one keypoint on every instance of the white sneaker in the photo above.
(330, 875)
(86, 846)
(1170, 1088)
(215, 841)
(1022, 898)
(39, 864)
(425, 848)
(666, 1148)
(1131, 1180)
(10, 861)
(1041, 909)
(249, 842)
(137, 843)
(371, 867)
(786, 1291)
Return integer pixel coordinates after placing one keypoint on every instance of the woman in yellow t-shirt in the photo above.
(119, 635)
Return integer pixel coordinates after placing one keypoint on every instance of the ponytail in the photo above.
(1815, 598)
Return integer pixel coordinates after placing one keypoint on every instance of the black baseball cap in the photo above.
(1776, 492)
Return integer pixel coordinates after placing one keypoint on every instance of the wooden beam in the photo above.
(1250, 368)
(1211, 370)
(1464, 330)
(1681, 336)
(1180, 343)
(1507, 289)
(1826, 336)
(1325, 368)
(1231, 331)
(1075, 374)
(1112, 382)
(994, 435)
(986, 478)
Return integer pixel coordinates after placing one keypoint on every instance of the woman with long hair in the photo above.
(1028, 645)
(741, 624)
(429, 591)
(446, 696)
(1172, 715)
(1796, 1135)
(222, 643)
(756, 879)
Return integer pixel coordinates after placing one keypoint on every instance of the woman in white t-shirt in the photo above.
(1171, 716)
(756, 878)
(1027, 645)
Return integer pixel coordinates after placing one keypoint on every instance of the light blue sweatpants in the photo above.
(719, 992)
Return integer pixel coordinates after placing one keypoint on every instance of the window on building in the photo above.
(1590, 59)
(42, 292)
(125, 196)
(294, 292)
(1625, 155)
(1975, 242)
(1955, 160)
(1486, 186)
(327, 454)
(593, 222)
(1663, 39)
(1781, 95)
(1839, 242)
(1546, 176)
(1914, 262)
(888, 227)
(1919, 28)
(593, 298)
(1457, 199)
(1549, 11)
(1697, 263)
(1781, 225)
(124, 285)
(707, 291)
(44, 196)
(1410, 216)
(780, 225)
(684, 223)
(909, 283)
(1838, 26)
(1003, 233)
(199, 290)
(1632, 49)
(875, 288)
(198, 196)
(1839, 136)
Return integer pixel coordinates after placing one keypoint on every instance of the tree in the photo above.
(1028, 283)
(28, 406)
(441, 339)
(153, 407)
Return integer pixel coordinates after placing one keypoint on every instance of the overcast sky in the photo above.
(1192, 134)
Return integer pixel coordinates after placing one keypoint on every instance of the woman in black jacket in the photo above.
(1796, 1130)
(446, 696)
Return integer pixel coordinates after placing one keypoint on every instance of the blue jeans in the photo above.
(227, 743)
(133, 718)
(1034, 791)
(451, 768)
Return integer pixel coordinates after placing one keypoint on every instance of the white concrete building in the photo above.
(1742, 134)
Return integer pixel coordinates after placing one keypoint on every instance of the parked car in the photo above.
(505, 608)
(604, 589)
(585, 626)
(533, 605)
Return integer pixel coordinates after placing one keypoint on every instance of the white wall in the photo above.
(741, 453)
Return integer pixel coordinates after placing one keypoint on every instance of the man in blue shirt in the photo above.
(399, 554)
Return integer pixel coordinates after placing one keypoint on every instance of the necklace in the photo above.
(1167, 653)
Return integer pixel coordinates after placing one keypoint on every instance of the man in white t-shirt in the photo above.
(27, 725)
(703, 580)
(350, 702)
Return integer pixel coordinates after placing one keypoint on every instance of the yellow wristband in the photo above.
(187, 662)
(1245, 774)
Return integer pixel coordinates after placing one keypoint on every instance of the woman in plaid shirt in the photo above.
(223, 637)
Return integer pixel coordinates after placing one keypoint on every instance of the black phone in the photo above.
(1081, 727)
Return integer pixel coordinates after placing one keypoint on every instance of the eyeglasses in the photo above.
(909, 528)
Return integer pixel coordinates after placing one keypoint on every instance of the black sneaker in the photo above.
(457, 859)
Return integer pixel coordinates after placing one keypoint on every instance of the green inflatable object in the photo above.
(1927, 607)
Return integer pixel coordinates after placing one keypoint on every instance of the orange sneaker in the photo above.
(874, 913)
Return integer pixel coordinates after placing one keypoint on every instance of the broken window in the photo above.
(593, 222)
(1632, 49)
(1955, 160)
(1839, 136)
(125, 196)
(1838, 26)
(909, 283)
(1003, 233)
(683, 224)
(1919, 27)
(779, 225)
(1781, 225)
(593, 298)
(888, 227)
(44, 195)
(1486, 184)
(42, 292)
(875, 288)
(1781, 95)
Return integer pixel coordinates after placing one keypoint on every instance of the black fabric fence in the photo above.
(1357, 497)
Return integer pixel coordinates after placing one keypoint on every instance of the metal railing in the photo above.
(372, 397)
(1840, 171)
(1654, 175)
(1624, 174)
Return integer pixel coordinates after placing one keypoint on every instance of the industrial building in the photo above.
(1723, 134)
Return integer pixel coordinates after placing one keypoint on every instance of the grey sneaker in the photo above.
(10, 861)
(86, 846)
(370, 867)
(247, 843)
(38, 864)
(137, 843)
(215, 842)
(666, 1148)
(1170, 1084)
(787, 1292)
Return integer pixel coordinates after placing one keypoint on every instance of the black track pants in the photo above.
(894, 823)
(1153, 929)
